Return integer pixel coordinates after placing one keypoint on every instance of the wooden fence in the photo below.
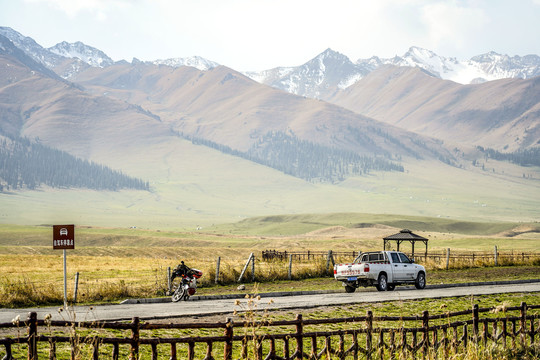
(434, 256)
(351, 338)
(305, 255)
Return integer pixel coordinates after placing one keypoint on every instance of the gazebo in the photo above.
(405, 235)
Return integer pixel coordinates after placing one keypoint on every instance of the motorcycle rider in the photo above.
(180, 271)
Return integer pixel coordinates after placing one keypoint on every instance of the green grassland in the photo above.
(194, 187)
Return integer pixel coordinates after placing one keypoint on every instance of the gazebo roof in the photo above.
(406, 234)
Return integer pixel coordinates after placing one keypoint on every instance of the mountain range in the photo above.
(318, 77)
(329, 121)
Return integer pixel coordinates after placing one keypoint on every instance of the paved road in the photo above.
(226, 306)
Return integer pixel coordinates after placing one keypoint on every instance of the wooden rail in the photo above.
(305, 255)
(352, 338)
(434, 255)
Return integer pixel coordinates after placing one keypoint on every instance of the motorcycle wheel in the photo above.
(178, 294)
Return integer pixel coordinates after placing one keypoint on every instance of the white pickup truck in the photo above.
(384, 269)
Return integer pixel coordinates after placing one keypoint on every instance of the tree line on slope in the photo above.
(525, 157)
(24, 164)
(305, 159)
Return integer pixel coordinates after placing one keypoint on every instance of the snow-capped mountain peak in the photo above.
(30, 47)
(425, 59)
(322, 75)
(193, 61)
(485, 67)
(85, 53)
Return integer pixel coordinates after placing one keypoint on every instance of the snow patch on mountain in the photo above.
(345, 83)
(320, 76)
(31, 48)
(485, 67)
(193, 61)
(85, 53)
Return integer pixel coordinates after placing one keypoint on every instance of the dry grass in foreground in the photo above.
(39, 279)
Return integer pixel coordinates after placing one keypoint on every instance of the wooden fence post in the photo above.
(369, 334)
(475, 324)
(8, 355)
(299, 337)
(227, 351)
(290, 267)
(495, 254)
(32, 336)
(76, 287)
(245, 267)
(95, 350)
(523, 321)
(217, 270)
(169, 284)
(447, 258)
(329, 257)
(425, 336)
(252, 267)
(135, 336)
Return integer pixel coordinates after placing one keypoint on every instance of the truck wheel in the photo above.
(420, 282)
(349, 289)
(382, 284)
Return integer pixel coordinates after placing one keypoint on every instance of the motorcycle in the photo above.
(188, 282)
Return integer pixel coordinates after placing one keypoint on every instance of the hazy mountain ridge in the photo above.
(8, 48)
(330, 70)
(225, 107)
(319, 77)
(100, 128)
(502, 114)
(480, 68)
(334, 71)
(85, 53)
(35, 105)
(67, 59)
(31, 48)
(138, 117)
(197, 62)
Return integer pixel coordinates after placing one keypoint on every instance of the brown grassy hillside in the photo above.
(502, 114)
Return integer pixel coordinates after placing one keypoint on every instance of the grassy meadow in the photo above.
(194, 186)
(117, 263)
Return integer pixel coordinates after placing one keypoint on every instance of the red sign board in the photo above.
(63, 237)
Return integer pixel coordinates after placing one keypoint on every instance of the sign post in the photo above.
(64, 238)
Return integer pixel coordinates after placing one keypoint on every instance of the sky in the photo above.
(253, 35)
